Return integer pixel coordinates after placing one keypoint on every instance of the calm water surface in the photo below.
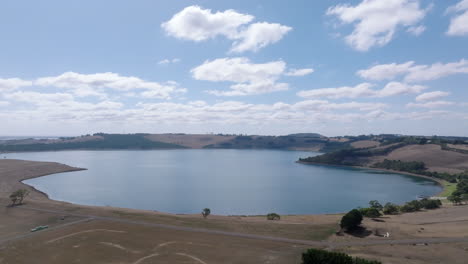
(227, 181)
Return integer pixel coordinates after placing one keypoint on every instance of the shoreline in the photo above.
(438, 181)
(44, 197)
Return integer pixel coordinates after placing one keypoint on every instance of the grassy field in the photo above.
(449, 188)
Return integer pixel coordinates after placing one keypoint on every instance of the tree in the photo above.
(206, 212)
(351, 220)
(376, 205)
(273, 216)
(464, 197)
(455, 199)
(391, 209)
(18, 196)
(370, 212)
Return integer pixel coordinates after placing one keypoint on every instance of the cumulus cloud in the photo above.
(432, 104)
(259, 35)
(198, 24)
(375, 21)
(412, 72)
(11, 84)
(362, 90)
(93, 84)
(249, 78)
(299, 72)
(459, 22)
(431, 96)
(39, 98)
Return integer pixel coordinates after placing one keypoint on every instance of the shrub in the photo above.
(430, 204)
(273, 216)
(376, 205)
(370, 212)
(391, 209)
(318, 256)
(351, 220)
(412, 206)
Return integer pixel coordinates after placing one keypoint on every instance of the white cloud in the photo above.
(259, 35)
(198, 24)
(416, 30)
(93, 84)
(414, 73)
(376, 21)
(432, 104)
(459, 22)
(39, 98)
(431, 96)
(362, 90)
(249, 78)
(4, 103)
(11, 84)
(168, 61)
(299, 72)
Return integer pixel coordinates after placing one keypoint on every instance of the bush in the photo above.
(273, 216)
(370, 212)
(412, 206)
(351, 220)
(430, 204)
(318, 256)
(376, 205)
(391, 209)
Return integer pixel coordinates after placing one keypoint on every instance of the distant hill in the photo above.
(442, 157)
(97, 142)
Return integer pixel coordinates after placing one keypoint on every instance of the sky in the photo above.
(265, 67)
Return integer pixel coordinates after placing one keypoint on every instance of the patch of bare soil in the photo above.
(458, 146)
(190, 141)
(135, 244)
(365, 144)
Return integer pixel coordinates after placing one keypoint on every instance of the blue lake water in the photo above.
(242, 182)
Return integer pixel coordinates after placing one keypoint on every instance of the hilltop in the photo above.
(441, 157)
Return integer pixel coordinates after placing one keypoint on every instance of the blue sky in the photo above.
(251, 67)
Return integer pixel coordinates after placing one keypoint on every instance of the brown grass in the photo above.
(190, 141)
(432, 155)
(365, 144)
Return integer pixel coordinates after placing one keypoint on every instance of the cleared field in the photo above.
(365, 144)
(190, 141)
(110, 242)
(433, 156)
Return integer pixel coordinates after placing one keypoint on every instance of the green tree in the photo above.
(376, 205)
(391, 209)
(206, 212)
(455, 199)
(370, 212)
(351, 220)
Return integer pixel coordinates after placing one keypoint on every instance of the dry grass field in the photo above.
(365, 144)
(86, 234)
(190, 141)
(432, 155)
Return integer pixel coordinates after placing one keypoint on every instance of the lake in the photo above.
(229, 182)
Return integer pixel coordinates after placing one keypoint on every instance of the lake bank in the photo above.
(440, 182)
(276, 183)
